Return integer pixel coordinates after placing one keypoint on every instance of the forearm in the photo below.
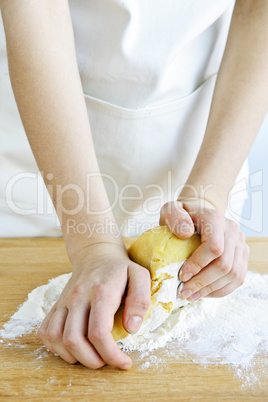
(48, 92)
(238, 107)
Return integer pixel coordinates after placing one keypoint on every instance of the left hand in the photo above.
(219, 265)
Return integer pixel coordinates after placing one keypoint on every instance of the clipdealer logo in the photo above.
(131, 199)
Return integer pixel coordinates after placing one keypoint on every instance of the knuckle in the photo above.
(208, 289)
(166, 208)
(145, 273)
(234, 275)
(98, 290)
(240, 279)
(220, 293)
(111, 359)
(242, 237)
(225, 266)
(50, 348)
(215, 213)
(213, 218)
(54, 308)
(199, 285)
(53, 334)
(147, 285)
(141, 304)
(233, 226)
(96, 335)
(195, 266)
(162, 220)
(247, 250)
(77, 292)
(216, 248)
(41, 333)
(69, 342)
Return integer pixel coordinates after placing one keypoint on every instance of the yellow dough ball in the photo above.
(154, 249)
(159, 247)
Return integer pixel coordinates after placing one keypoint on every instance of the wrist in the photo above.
(81, 233)
(205, 196)
(202, 202)
(96, 251)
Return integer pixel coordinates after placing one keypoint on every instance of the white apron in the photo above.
(148, 70)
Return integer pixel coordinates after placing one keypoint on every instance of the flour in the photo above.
(230, 330)
(225, 328)
(167, 279)
(33, 311)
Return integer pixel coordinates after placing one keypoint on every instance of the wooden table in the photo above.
(28, 372)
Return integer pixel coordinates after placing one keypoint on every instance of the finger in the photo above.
(45, 322)
(54, 333)
(177, 219)
(226, 290)
(75, 337)
(206, 281)
(103, 308)
(138, 298)
(211, 229)
(42, 331)
(240, 275)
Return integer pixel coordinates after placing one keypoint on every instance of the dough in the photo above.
(159, 247)
(162, 253)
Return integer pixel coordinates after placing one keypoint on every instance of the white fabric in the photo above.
(148, 69)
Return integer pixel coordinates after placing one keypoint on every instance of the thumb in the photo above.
(177, 219)
(138, 298)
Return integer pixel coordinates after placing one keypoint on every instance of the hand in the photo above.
(219, 265)
(78, 327)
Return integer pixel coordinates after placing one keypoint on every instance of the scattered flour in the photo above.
(231, 330)
(145, 365)
(33, 311)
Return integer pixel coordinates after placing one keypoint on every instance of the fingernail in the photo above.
(195, 297)
(134, 324)
(179, 289)
(185, 277)
(180, 270)
(185, 294)
(126, 366)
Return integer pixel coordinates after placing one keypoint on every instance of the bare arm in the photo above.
(239, 104)
(48, 91)
(238, 108)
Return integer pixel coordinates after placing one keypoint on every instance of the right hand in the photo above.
(79, 325)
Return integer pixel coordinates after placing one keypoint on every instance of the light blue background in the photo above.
(255, 212)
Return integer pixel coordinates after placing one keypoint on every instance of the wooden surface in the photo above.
(29, 372)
